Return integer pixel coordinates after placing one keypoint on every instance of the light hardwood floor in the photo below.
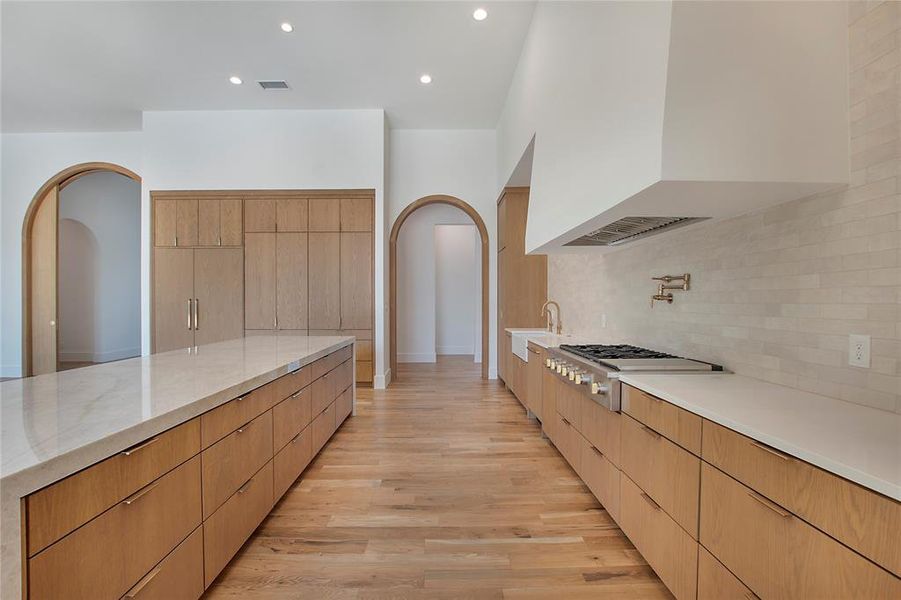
(438, 488)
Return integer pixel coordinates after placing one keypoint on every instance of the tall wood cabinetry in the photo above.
(299, 263)
(521, 279)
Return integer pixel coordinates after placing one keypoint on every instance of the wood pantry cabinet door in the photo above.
(291, 214)
(259, 280)
(291, 280)
(325, 280)
(231, 219)
(356, 214)
(259, 215)
(218, 302)
(208, 222)
(173, 298)
(164, 217)
(324, 214)
(186, 222)
(356, 281)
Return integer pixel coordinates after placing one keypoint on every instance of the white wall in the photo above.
(458, 163)
(456, 297)
(100, 268)
(417, 281)
(28, 161)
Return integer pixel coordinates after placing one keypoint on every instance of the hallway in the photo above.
(438, 488)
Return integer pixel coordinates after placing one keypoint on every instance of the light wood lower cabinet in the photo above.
(291, 460)
(677, 424)
(163, 518)
(671, 552)
(229, 527)
(601, 476)
(670, 475)
(715, 582)
(178, 577)
(534, 372)
(106, 556)
(778, 555)
(228, 463)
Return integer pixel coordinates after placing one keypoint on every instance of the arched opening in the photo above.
(40, 267)
(392, 249)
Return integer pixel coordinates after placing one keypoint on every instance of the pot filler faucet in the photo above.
(662, 294)
(548, 314)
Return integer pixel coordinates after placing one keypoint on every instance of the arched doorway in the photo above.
(392, 249)
(40, 239)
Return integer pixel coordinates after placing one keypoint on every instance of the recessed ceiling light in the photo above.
(287, 27)
(235, 80)
(480, 14)
(425, 78)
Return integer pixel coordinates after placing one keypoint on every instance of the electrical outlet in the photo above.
(859, 351)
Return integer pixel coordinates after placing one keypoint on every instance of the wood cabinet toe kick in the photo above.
(163, 518)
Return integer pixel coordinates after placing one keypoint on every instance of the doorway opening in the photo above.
(438, 283)
(81, 269)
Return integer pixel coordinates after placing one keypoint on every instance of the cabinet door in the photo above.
(291, 273)
(164, 222)
(501, 224)
(356, 281)
(231, 217)
(173, 293)
(218, 302)
(291, 214)
(259, 214)
(186, 223)
(208, 222)
(325, 214)
(259, 281)
(325, 299)
(356, 214)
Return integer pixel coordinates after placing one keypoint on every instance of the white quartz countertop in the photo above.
(53, 425)
(858, 443)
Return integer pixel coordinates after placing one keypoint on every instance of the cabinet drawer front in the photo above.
(292, 460)
(324, 391)
(178, 577)
(292, 383)
(671, 552)
(364, 349)
(715, 582)
(323, 427)
(229, 527)
(569, 403)
(345, 376)
(677, 424)
(602, 478)
(108, 555)
(221, 421)
(569, 445)
(778, 555)
(670, 475)
(231, 461)
(346, 353)
(602, 428)
(64, 506)
(864, 520)
(291, 416)
(345, 405)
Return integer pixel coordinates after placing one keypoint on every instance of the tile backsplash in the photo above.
(775, 294)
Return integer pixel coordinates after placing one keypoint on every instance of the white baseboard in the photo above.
(453, 350)
(11, 371)
(99, 357)
(381, 382)
(477, 358)
(416, 357)
(492, 373)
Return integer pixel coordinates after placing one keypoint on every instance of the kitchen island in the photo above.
(102, 437)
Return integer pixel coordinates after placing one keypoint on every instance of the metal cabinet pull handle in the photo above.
(565, 420)
(196, 314)
(599, 453)
(296, 438)
(773, 507)
(244, 427)
(140, 494)
(751, 596)
(772, 451)
(650, 431)
(296, 394)
(244, 487)
(189, 313)
(139, 447)
(133, 592)
(650, 501)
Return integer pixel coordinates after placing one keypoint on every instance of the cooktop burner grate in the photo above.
(598, 352)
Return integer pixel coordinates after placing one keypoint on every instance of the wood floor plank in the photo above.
(438, 488)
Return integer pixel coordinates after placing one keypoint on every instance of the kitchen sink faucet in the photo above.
(548, 314)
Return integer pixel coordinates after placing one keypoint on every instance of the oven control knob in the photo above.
(584, 378)
(597, 388)
(559, 367)
(577, 379)
(571, 374)
(547, 362)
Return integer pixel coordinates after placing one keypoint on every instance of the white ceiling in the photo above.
(93, 66)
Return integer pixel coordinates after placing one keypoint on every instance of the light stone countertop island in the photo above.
(57, 424)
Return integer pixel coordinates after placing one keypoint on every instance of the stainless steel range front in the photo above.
(595, 368)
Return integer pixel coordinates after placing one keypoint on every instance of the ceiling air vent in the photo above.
(629, 229)
(280, 84)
